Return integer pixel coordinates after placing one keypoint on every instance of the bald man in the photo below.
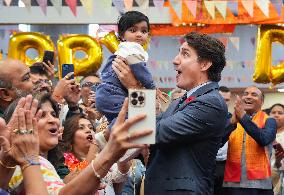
(14, 82)
(247, 169)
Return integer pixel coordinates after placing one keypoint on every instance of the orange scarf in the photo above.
(257, 158)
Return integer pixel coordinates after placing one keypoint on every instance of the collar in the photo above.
(190, 92)
(200, 90)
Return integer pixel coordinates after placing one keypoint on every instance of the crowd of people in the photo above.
(66, 137)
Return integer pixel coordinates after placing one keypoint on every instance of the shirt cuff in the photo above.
(100, 139)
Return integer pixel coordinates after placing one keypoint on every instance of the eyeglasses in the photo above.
(41, 81)
(90, 84)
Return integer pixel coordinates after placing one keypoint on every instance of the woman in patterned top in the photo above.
(88, 181)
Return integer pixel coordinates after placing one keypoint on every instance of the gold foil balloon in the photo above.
(111, 41)
(264, 71)
(20, 42)
(69, 45)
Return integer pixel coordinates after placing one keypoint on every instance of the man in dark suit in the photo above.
(189, 133)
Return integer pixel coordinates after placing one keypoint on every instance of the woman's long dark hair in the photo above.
(71, 125)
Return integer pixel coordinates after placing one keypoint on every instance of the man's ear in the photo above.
(205, 65)
(5, 95)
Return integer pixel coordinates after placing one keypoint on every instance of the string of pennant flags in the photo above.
(179, 9)
(222, 5)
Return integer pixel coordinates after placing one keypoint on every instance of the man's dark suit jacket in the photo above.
(187, 140)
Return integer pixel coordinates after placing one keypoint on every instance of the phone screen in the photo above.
(67, 68)
(48, 56)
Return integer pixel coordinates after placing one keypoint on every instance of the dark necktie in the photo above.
(181, 100)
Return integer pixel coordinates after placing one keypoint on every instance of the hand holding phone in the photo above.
(48, 56)
(278, 147)
(66, 69)
(143, 101)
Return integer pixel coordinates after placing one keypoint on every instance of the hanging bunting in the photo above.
(236, 42)
(2, 33)
(252, 40)
(155, 41)
(159, 4)
(119, 5)
(143, 4)
(176, 4)
(222, 8)
(233, 6)
(57, 4)
(43, 5)
(88, 5)
(128, 4)
(224, 40)
(278, 6)
(263, 5)
(72, 5)
(248, 5)
(106, 5)
(27, 4)
(210, 6)
(7, 2)
(192, 6)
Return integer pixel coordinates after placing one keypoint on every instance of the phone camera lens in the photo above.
(134, 95)
(134, 102)
(140, 98)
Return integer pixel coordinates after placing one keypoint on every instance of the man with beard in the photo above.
(15, 81)
(40, 78)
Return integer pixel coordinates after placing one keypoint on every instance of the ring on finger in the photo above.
(30, 131)
(22, 132)
(15, 131)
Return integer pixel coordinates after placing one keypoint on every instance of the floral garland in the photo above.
(73, 163)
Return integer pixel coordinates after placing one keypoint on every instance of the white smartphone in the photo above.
(143, 101)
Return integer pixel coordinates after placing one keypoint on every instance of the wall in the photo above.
(237, 73)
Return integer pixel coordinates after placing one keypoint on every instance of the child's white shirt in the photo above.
(132, 52)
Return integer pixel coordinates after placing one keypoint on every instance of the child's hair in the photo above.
(129, 19)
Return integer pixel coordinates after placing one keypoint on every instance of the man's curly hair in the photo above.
(208, 49)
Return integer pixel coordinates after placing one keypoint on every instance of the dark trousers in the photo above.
(246, 191)
(219, 177)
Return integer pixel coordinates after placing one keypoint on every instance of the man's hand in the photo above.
(125, 74)
(234, 119)
(73, 95)
(49, 69)
(239, 109)
(62, 87)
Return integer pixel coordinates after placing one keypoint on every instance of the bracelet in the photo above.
(31, 160)
(7, 167)
(28, 165)
(95, 172)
